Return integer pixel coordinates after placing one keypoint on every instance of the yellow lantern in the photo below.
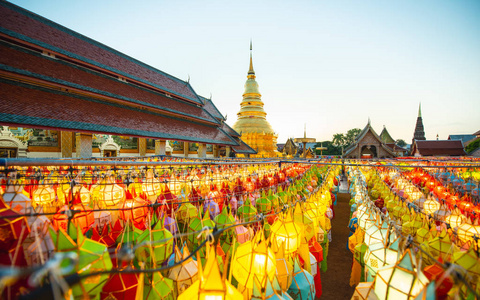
(286, 231)
(284, 269)
(43, 196)
(151, 187)
(110, 194)
(211, 285)
(364, 291)
(466, 232)
(253, 258)
(455, 220)
(431, 206)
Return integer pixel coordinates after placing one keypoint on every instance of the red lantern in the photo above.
(435, 272)
(134, 209)
(13, 229)
(83, 219)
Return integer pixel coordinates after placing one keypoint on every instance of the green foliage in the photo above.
(400, 143)
(472, 146)
(331, 148)
(345, 140)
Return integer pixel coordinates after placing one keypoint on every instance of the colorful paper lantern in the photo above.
(303, 286)
(185, 273)
(211, 284)
(286, 231)
(401, 280)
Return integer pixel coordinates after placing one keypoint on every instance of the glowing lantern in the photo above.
(431, 206)
(134, 209)
(284, 269)
(247, 212)
(285, 231)
(466, 232)
(45, 198)
(400, 281)
(211, 285)
(455, 220)
(376, 233)
(13, 228)
(253, 258)
(84, 218)
(123, 286)
(377, 256)
(110, 194)
(82, 193)
(151, 187)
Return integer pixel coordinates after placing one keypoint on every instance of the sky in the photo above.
(329, 65)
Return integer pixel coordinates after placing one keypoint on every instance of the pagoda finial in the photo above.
(420, 110)
(305, 130)
(368, 120)
(250, 70)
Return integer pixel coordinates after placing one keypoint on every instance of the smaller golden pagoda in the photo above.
(252, 123)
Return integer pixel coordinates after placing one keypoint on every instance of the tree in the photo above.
(338, 140)
(351, 135)
(400, 143)
(331, 148)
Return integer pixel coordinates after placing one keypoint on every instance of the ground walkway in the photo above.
(336, 280)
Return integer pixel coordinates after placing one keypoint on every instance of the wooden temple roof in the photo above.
(438, 148)
(52, 77)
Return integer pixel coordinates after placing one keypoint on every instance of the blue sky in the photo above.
(329, 64)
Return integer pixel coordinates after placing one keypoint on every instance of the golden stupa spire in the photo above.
(250, 70)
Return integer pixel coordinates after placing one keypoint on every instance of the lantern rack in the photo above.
(458, 272)
(46, 290)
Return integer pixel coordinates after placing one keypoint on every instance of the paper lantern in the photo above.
(284, 269)
(110, 194)
(16, 199)
(466, 232)
(44, 197)
(39, 251)
(303, 285)
(158, 288)
(84, 219)
(378, 255)
(455, 220)
(247, 212)
(211, 284)
(400, 281)
(253, 258)
(123, 286)
(436, 273)
(285, 231)
(377, 233)
(364, 291)
(158, 245)
(151, 186)
(441, 247)
(135, 210)
(184, 274)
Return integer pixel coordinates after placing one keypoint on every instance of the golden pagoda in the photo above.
(252, 123)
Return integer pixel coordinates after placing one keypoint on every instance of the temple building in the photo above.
(252, 124)
(390, 142)
(66, 95)
(368, 144)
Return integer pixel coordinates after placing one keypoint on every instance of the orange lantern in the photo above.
(134, 209)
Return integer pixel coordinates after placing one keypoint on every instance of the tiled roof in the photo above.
(477, 133)
(243, 148)
(361, 135)
(463, 137)
(31, 28)
(386, 137)
(31, 64)
(211, 108)
(440, 148)
(53, 77)
(396, 148)
(39, 107)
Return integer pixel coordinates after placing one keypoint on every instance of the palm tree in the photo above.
(338, 139)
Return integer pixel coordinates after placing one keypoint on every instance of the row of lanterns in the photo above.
(273, 248)
(392, 266)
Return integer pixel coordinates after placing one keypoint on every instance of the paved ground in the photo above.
(336, 280)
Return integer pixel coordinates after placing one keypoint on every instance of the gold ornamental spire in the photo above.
(250, 70)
